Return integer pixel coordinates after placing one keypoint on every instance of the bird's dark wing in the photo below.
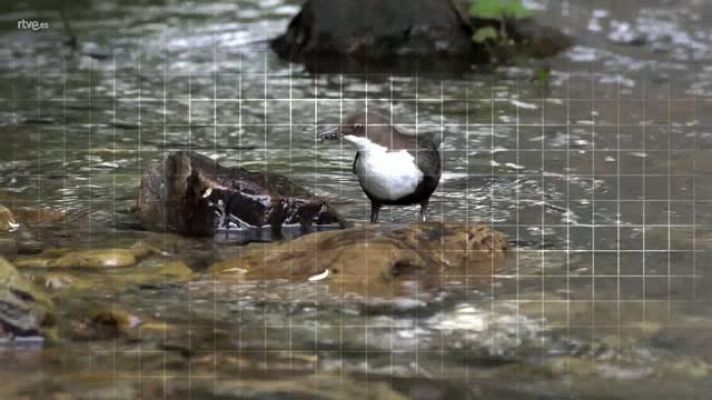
(353, 169)
(429, 140)
(428, 161)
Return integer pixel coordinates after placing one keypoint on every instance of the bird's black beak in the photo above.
(330, 134)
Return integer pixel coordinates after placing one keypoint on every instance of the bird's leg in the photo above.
(375, 208)
(424, 210)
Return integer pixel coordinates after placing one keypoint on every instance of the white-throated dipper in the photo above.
(393, 168)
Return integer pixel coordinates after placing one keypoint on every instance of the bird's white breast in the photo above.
(383, 174)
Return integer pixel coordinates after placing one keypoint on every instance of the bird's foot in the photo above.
(424, 212)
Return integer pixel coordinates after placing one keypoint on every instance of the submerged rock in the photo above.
(97, 258)
(376, 260)
(143, 276)
(39, 215)
(400, 30)
(113, 323)
(15, 238)
(194, 195)
(25, 310)
(8, 247)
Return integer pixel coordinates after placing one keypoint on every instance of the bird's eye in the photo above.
(358, 128)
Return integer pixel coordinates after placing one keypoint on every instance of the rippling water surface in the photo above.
(601, 176)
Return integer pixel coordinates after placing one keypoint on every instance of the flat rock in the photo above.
(376, 260)
(95, 258)
(143, 276)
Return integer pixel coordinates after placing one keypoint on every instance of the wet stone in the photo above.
(191, 194)
(376, 261)
(97, 259)
(26, 312)
(8, 222)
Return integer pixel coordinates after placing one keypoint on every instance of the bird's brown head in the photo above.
(362, 124)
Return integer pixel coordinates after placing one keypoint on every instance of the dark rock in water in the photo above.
(25, 310)
(194, 195)
(376, 29)
(377, 261)
(402, 34)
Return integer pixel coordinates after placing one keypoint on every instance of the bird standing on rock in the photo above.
(393, 168)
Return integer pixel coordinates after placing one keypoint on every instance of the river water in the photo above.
(601, 176)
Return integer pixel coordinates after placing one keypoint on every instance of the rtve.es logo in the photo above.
(32, 25)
